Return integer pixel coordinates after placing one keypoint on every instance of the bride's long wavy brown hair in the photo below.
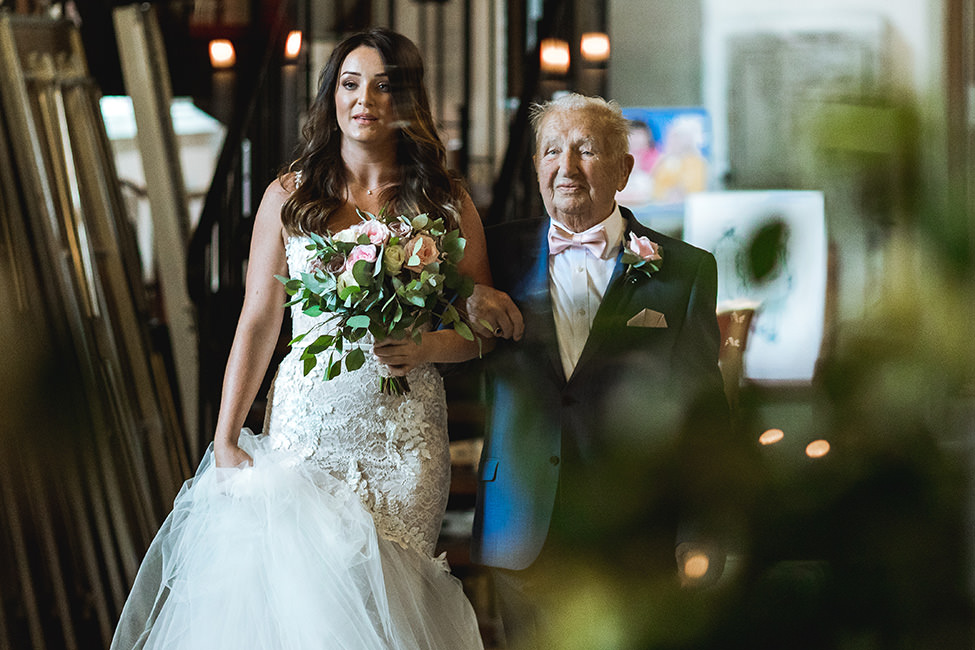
(426, 185)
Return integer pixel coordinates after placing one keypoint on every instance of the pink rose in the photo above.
(365, 252)
(423, 248)
(644, 248)
(377, 231)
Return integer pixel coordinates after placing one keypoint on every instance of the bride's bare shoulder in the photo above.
(285, 184)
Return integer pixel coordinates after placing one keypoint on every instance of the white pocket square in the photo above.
(647, 318)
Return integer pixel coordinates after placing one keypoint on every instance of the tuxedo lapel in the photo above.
(535, 301)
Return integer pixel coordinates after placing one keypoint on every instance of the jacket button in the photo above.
(568, 401)
(554, 460)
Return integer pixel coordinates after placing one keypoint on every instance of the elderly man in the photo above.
(606, 395)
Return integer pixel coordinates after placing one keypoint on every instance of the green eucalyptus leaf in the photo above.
(450, 238)
(362, 272)
(287, 282)
(320, 344)
(312, 283)
(358, 322)
(347, 292)
(466, 287)
(354, 359)
(317, 239)
(355, 335)
(334, 369)
(461, 328)
(456, 254)
(450, 315)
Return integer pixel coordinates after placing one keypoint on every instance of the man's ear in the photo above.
(626, 166)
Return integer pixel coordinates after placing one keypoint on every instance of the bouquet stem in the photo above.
(394, 385)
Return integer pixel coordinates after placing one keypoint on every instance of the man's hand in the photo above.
(494, 314)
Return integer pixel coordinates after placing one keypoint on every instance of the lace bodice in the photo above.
(392, 450)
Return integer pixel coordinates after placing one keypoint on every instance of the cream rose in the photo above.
(348, 236)
(344, 280)
(393, 259)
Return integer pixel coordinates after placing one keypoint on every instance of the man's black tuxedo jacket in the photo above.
(636, 392)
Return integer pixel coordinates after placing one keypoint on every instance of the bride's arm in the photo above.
(258, 328)
(446, 346)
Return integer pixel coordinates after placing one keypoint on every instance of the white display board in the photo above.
(771, 249)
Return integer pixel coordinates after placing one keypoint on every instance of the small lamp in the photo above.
(554, 55)
(222, 54)
(594, 47)
(292, 46)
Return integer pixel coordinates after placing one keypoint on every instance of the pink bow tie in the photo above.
(594, 240)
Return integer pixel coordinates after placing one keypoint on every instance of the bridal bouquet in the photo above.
(389, 276)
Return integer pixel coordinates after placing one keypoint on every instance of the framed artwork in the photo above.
(672, 150)
(771, 250)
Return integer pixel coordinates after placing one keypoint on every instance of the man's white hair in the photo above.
(607, 114)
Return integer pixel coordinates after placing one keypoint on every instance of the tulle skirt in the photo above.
(282, 555)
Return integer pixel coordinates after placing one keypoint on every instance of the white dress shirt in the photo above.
(577, 281)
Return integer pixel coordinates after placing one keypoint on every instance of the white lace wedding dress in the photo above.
(326, 541)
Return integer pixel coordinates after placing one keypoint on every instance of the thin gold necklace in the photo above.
(378, 187)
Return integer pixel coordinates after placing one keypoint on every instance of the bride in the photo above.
(320, 532)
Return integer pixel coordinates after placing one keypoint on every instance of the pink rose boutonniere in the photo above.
(640, 255)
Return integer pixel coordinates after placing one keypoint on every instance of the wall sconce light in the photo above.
(594, 47)
(554, 55)
(292, 46)
(817, 448)
(771, 436)
(222, 54)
